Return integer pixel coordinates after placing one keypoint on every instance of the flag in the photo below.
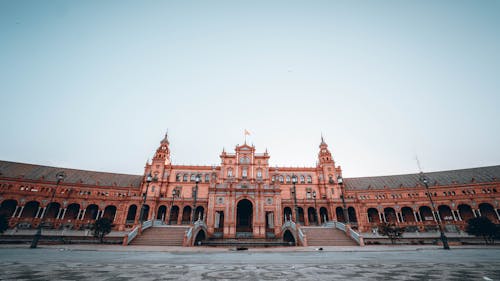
(247, 133)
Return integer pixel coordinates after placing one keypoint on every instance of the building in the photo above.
(244, 196)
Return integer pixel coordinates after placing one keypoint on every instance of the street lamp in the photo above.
(195, 195)
(443, 237)
(149, 179)
(294, 191)
(59, 177)
(340, 181)
(315, 208)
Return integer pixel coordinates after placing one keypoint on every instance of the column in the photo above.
(43, 212)
(496, 212)
(397, 217)
(453, 214)
(37, 212)
(64, 213)
(20, 212)
(15, 211)
(434, 216)
(438, 216)
(59, 213)
(415, 215)
(83, 214)
(380, 217)
(478, 212)
(458, 215)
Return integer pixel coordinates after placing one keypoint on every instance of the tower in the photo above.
(328, 173)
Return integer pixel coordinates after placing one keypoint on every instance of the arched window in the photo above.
(244, 172)
(229, 172)
(281, 179)
(178, 177)
(309, 179)
(193, 177)
(302, 179)
(287, 179)
(207, 178)
(185, 177)
(259, 173)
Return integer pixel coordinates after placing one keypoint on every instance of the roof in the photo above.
(464, 176)
(47, 173)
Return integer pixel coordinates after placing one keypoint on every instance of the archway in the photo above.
(174, 214)
(465, 212)
(132, 210)
(91, 212)
(162, 210)
(8, 207)
(340, 214)
(288, 238)
(407, 214)
(199, 238)
(30, 209)
(198, 214)
(186, 215)
(287, 214)
(390, 215)
(300, 219)
(110, 213)
(351, 212)
(373, 215)
(323, 214)
(488, 211)
(244, 214)
(311, 215)
(52, 210)
(73, 211)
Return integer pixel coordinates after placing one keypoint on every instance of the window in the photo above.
(308, 194)
(287, 179)
(281, 179)
(244, 173)
(309, 179)
(185, 177)
(193, 177)
(229, 172)
(244, 160)
(259, 173)
(302, 179)
(178, 177)
(207, 178)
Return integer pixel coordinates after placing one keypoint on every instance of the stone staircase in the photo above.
(326, 236)
(161, 236)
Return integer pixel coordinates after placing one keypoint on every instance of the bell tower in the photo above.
(163, 152)
(328, 173)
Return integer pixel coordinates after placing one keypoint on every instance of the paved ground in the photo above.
(343, 263)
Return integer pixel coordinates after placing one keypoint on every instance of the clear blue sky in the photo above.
(95, 84)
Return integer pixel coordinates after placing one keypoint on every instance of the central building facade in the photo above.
(244, 196)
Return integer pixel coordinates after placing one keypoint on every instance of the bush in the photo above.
(390, 230)
(482, 226)
(101, 227)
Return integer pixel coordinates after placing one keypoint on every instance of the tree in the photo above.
(101, 227)
(4, 223)
(390, 230)
(482, 226)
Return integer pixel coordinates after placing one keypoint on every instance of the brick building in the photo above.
(244, 195)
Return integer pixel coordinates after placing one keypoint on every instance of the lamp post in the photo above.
(340, 181)
(294, 191)
(149, 179)
(315, 209)
(34, 243)
(174, 194)
(443, 237)
(195, 195)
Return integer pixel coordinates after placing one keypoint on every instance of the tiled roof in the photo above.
(465, 176)
(47, 173)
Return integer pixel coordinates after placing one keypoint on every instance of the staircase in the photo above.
(161, 236)
(326, 236)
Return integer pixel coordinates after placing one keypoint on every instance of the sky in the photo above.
(96, 84)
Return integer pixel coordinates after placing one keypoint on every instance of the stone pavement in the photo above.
(380, 263)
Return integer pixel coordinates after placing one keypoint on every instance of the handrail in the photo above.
(147, 224)
(340, 226)
(355, 235)
(302, 238)
(358, 238)
(131, 235)
(188, 237)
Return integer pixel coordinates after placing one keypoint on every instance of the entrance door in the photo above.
(244, 211)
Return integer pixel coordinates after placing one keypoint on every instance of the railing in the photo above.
(340, 226)
(199, 225)
(147, 224)
(350, 232)
(356, 236)
(130, 236)
(302, 238)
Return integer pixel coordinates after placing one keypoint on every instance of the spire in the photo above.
(165, 139)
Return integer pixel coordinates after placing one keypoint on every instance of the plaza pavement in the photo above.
(112, 262)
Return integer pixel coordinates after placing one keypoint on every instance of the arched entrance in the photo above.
(244, 213)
